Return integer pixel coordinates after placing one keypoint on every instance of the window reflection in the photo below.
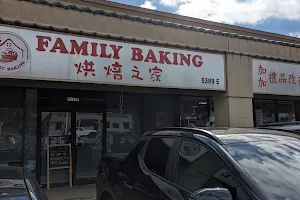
(11, 126)
(123, 123)
(123, 134)
(53, 124)
(158, 111)
(273, 165)
(286, 111)
(11, 136)
(194, 112)
(88, 143)
(264, 111)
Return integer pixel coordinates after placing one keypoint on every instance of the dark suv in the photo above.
(191, 163)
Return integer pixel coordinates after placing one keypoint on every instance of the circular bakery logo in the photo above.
(14, 52)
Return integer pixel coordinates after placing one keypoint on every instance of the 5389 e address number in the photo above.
(210, 81)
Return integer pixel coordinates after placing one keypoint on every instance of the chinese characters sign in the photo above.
(270, 77)
(47, 56)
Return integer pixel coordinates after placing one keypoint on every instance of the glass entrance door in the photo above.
(84, 131)
(88, 144)
(54, 125)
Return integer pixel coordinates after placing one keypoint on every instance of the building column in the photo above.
(233, 112)
(233, 108)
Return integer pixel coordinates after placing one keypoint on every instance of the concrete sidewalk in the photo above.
(80, 192)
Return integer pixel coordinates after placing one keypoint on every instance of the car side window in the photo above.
(157, 154)
(198, 168)
(132, 161)
(136, 174)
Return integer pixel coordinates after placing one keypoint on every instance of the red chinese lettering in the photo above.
(282, 78)
(155, 73)
(86, 67)
(261, 70)
(262, 83)
(116, 69)
(292, 79)
(136, 74)
(299, 80)
(272, 77)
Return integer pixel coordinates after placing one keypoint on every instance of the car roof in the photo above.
(240, 135)
(225, 135)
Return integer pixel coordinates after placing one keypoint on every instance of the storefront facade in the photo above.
(101, 85)
(276, 91)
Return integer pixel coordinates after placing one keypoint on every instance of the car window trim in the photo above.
(171, 165)
(169, 157)
(131, 152)
(143, 150)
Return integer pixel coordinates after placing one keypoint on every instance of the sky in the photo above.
(277, 16)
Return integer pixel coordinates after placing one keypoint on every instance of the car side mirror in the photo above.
(211, 194)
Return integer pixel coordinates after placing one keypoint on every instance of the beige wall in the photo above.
(232, 108)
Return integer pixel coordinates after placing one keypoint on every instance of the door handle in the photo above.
(127, 185)
(124, 178)
(142, 190)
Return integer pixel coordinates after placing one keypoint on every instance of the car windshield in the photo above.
(273, 165)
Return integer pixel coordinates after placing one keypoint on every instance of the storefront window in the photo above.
(123, 122)
(264, 112)
(11, 126)
(157, 111)
(286, 111)
(195, 112)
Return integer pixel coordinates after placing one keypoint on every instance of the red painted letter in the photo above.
(175, 58)
(151, 56)
(76, 49)
(137, 54)
(116, 50)
(197, 63)
(185, 59)
(164, 57)
(94, 49)
(103, 51)
(42, 42)
(59, 45)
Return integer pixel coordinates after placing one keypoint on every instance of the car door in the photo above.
(197, 167)
(146, 175)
